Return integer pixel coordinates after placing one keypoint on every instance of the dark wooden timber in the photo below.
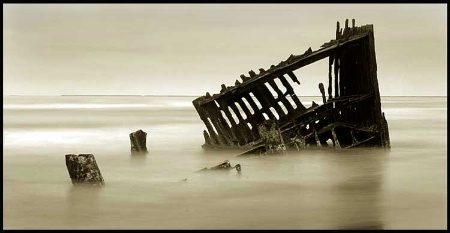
(350, 117)
(322, 91)
(83, 169)
(224, 166)
(138, 141)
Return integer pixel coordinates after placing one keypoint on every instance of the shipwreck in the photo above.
(248, 116)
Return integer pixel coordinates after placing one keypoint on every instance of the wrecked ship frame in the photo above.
(349, 117)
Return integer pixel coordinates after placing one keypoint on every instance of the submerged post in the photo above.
(138, 141)
(83, 169)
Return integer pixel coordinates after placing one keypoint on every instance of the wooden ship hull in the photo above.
(350, 115)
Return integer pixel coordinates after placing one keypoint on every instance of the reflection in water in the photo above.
(82, 206)
(364, 211)
(138, 157)
(357, 192)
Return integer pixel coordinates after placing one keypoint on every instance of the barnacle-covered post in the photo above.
(83, 169)
(271, 137)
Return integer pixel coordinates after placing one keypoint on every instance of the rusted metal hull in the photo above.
(350, 116)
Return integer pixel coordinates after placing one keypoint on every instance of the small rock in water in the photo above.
(83, 169)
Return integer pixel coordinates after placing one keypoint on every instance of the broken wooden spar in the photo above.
(224, 166)
(351, 117)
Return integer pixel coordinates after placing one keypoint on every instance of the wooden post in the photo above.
(212, 134)
(225, 135)
(83, 169)
(207, 139)
(316, 136)
(346, 29)
(336, 75)
(335, 139)
(338, 34)
(322, 91)
(330, 82)
(138, 141)
(336, 62)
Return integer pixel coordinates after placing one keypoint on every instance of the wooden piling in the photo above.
(330, 82)
(83, 169)
(138, 141)
(207, 138)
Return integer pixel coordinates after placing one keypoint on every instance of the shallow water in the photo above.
(404, 188)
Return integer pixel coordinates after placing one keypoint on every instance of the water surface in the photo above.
(404, 188)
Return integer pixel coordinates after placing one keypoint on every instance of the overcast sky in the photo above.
(188, 49)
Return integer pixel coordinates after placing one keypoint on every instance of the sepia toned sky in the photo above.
(189, 49)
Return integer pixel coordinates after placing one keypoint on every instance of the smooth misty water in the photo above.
(404, 188)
